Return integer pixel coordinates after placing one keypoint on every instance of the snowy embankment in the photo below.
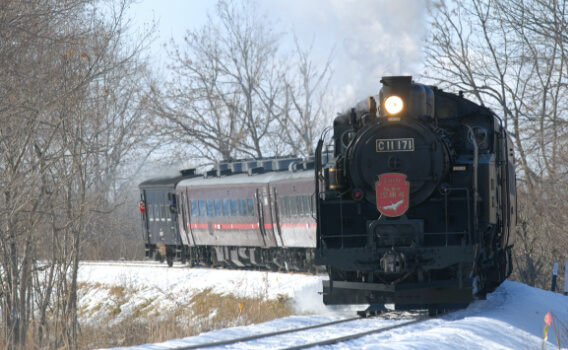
(511, 318)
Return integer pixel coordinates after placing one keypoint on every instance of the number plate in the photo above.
(395, 145)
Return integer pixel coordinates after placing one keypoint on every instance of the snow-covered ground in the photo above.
(511, 318)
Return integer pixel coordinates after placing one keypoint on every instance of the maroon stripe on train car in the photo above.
(251, 226)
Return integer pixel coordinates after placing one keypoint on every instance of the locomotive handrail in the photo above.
(505, 204)
(317, 172)
(471, 135)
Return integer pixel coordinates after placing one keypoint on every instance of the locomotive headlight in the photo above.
(393, 104)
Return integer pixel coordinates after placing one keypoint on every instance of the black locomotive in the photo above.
(417, 208)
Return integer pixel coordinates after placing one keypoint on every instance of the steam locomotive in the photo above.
(417, 206)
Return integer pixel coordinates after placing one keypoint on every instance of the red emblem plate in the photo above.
(392, 194)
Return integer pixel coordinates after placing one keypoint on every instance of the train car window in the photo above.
(299, 204)
(250, 207)
(226, 208)
(243, 207)
(306, 205)
(281, 205)
(234, 207)
(168, 213)
(210, 212)
(150, 212)
(218, 211)
(156, 212)
(293, 209)
(194, 210)
(179, 206)
(313, 205)
(285, 210)
(161, 212)
(202, 212)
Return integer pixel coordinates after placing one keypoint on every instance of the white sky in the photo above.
(372, 38)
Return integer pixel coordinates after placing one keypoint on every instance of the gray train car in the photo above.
(254, 213)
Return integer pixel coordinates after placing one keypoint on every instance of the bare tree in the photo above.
(307, 104)
(511, 56)
(68, 110)
(226, 82)
(234, 93)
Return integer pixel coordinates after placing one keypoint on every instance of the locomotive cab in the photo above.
(415, 208)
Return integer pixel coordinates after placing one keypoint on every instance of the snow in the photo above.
(511, 318)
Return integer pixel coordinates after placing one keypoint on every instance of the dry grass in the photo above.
(149, 323)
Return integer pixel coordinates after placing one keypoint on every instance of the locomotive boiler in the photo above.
(417, 208)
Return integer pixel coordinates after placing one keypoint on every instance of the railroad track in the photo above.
(156, 264)
(129, 263)
(307, 344)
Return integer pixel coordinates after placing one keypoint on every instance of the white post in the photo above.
(554, 274)
(566, 278)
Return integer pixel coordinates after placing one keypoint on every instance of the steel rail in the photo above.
(264, 335)
(361, 334)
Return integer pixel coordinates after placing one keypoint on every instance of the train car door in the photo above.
(275, 217)
(184, 221)
(265, 219)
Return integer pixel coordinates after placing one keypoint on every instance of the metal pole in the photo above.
(554, 274)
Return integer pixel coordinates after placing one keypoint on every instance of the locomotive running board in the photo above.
(441, 294)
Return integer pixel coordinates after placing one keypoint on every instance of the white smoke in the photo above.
(372, 38)
(308, 300)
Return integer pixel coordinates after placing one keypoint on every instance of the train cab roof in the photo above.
(168, 181)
